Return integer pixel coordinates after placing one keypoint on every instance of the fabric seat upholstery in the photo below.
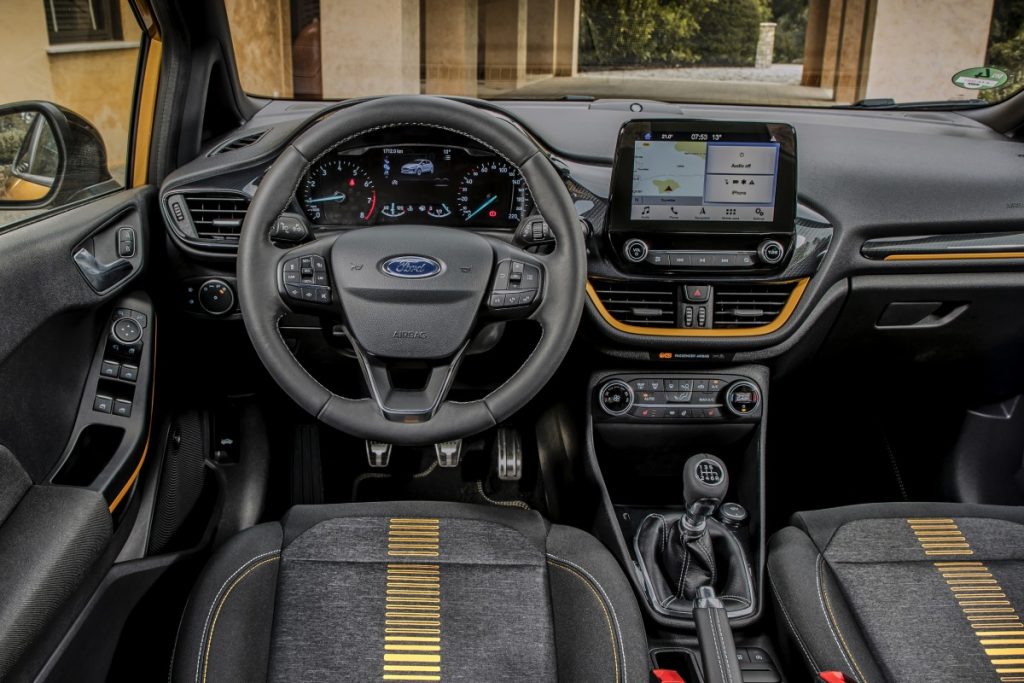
(411, 592)
(903, 591)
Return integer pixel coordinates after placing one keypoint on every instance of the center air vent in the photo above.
(217, 217)
(238, 143)
(740, 306)
(644, 304)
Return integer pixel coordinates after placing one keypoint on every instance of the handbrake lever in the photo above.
(717, 648)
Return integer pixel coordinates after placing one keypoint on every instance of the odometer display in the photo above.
(415, 183)
(339, 192)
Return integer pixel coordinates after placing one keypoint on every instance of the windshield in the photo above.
(762, 52)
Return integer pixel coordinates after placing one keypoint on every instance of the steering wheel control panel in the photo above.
(305, 279)
(677, 398)
(515, 284)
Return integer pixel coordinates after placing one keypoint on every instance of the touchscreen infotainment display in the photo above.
(704, 176)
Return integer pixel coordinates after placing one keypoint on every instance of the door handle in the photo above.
(101, 276)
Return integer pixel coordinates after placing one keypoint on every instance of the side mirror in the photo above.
(49, 156)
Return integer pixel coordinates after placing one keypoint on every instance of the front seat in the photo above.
(411, 591)
(904, 591)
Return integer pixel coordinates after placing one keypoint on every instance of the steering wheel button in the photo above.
(518, 267)
(531, 276)
(291, 266)
(512, 299)
(497, 300)
(291, 277)
(309, 293)
(320, 278)
(319, 264)
(294, 291)
(323, 294)
(526, 297)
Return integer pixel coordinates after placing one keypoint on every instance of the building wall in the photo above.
(917, 46)
(98, 84)
(261, 35)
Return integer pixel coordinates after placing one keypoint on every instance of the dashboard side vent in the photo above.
(644, 304)
(739, 306)
(238, 143)
(217, 217)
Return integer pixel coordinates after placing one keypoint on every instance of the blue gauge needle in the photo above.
(483, 206)
(334, 197)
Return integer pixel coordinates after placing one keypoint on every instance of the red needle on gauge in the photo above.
(373, 206)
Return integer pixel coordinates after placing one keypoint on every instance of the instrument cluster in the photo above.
(415, 183)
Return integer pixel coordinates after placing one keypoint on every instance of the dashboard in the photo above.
(414, 182)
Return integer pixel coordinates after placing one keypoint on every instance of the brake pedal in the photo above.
(509, 448)
(449, 453)
(378, 453)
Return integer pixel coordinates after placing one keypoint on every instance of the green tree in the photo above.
(728, 35)
(1006, 48)
(791, 19)
(640, 32)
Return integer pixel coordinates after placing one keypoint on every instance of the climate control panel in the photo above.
(660, 397)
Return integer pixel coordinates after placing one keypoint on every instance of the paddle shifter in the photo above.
(680, 553)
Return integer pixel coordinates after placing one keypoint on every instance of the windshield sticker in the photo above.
(979, 78)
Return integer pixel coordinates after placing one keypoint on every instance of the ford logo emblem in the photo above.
(411, 266)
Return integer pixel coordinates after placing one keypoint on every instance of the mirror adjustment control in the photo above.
(616, 397)
(126, 330)
(635, 250)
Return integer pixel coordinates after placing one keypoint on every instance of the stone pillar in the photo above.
(504, 48)
(450, 47)
(543, 27)
(854, 51)
(830, 50)
(765, 45)
(369, 48)
(814, 42)
(567, 39)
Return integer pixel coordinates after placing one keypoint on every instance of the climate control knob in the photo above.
(742, 398)
(616, 397)
(635, 250)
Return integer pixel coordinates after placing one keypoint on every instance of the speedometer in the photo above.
(493, 193)
(338, 192)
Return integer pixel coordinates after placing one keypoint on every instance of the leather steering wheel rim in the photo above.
(561, 298)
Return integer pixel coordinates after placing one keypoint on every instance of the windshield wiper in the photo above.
(889, 103)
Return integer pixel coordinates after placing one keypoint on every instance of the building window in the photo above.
(77, 21)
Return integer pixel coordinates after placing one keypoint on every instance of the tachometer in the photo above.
(493, 193)
(338, 192)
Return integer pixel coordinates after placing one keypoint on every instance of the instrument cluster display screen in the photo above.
(699, 173)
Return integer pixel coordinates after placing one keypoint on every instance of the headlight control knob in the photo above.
(616, 397)
(216, 297)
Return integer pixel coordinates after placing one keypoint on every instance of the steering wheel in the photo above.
(411, 292)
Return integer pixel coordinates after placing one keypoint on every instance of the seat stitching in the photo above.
(792, 626)
(826, 607)
(606, 607)
(206, 624)
(223, 601)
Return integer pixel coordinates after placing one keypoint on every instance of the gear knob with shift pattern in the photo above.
(705, 483)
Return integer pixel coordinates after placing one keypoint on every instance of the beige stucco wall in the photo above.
(97, 84)
(918, 45)
(369, 48)
(261, 35)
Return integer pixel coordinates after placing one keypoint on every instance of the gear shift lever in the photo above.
(705, 483)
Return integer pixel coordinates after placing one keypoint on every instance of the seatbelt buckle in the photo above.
(834, 677)
(666, 676)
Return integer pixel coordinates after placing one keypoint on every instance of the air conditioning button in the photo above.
(616, 398)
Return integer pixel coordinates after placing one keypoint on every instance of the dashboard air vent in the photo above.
(238, 143)
(740, 306)
(644, 304)
(217, 217)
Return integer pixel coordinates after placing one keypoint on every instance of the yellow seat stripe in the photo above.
(993, 617)
(412, 612)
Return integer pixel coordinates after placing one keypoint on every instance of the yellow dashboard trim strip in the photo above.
(782, 319)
